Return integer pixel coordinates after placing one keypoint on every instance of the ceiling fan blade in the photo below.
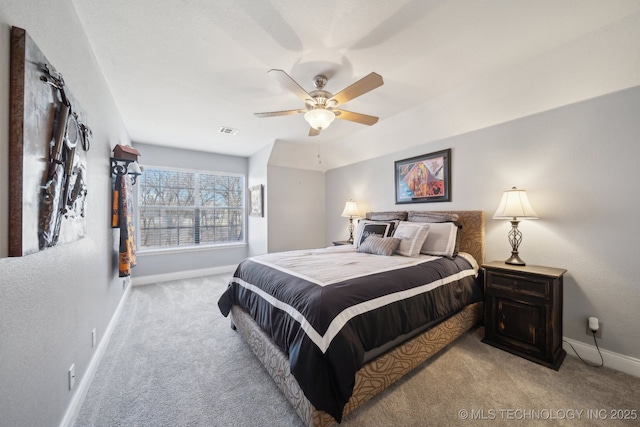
(360, 87)
(285, 80)
(279, 113)
(356, 117)
(313, 131)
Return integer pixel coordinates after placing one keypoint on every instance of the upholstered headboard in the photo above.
(471, 233)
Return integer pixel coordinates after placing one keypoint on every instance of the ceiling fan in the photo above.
(320, 106)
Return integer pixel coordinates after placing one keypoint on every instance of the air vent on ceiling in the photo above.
(227, 131)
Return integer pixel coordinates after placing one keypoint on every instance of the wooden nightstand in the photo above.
(523, 311)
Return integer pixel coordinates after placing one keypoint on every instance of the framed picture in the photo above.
(255, 200)
(47, 154)
(424, 179)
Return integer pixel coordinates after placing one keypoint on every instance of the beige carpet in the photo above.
(174, 361)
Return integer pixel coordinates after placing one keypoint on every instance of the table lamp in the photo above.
(515, 206)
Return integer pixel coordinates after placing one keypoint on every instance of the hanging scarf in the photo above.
(122, 218)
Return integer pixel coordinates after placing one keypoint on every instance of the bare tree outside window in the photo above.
(183, 208)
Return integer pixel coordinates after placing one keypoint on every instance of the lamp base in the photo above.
(514, 259)
(515, 238)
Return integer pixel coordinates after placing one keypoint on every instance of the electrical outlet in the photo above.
(598, 332)
(72, 376)
(93, 337)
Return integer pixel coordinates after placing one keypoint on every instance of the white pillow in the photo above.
(368, 228)
(441, 240)
(412, 236)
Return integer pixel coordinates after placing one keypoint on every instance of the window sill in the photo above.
(184, 249)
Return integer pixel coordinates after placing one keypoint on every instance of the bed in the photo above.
(333, 330)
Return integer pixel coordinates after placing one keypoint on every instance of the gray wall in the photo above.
(50, 301)
(152, 264)
(296, 215)
(258, 229)
(579, 165)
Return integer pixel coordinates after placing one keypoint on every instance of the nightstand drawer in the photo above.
(514, 283)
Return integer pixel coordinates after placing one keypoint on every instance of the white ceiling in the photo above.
(181, 69)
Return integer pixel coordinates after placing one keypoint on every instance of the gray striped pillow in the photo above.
(426, 216)
(386, 216)
(379, 245)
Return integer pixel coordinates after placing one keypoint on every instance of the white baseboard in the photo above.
(180, 275)
(619, 362)
(77, 400)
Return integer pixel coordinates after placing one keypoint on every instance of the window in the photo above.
(186, 208)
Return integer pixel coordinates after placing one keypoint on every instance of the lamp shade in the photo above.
(350, 210)
(319, 118)
(515, 204)
(135, 169)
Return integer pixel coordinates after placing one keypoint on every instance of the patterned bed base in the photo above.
(374, 376)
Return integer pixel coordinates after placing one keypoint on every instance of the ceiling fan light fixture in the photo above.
(320, 105)
(319, 118)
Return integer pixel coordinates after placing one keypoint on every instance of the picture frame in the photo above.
(256, 202)
(47, 159)
(424, 179)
